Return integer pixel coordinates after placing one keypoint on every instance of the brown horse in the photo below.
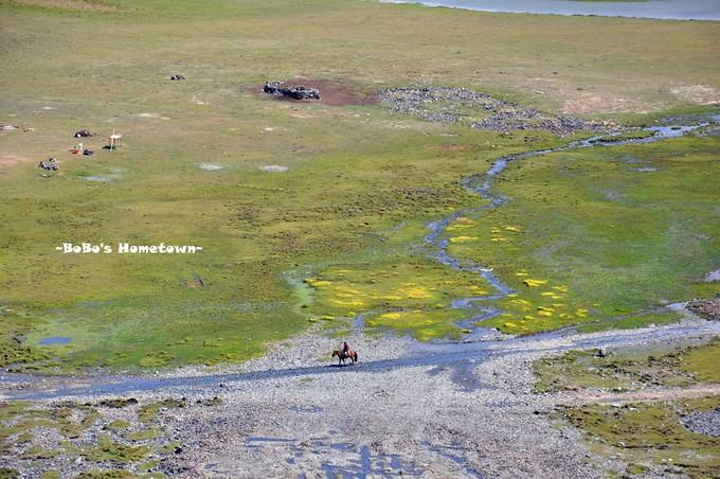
(343, 356)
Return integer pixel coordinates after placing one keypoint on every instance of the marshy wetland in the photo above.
(477, 201)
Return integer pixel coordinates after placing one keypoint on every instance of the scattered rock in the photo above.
(273, 169)
(707, 308)
(704, 422)
(451, 105)
(211, 167)
(177, 77)
(712, 276)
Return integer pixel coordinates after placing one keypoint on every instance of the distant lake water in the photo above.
(661, 9)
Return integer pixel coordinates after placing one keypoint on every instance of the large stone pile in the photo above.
(479, 110)
(707, 308)
(298, 92)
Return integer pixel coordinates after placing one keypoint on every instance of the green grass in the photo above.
(702, 362)
(629, 368)
(354, 171)
(633, 321)
(649, 437)
(589, 237)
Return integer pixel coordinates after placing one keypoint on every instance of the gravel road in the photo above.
(438, 410)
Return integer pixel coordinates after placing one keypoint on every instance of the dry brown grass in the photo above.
(82, 5)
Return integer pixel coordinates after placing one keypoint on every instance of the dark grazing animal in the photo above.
(51, 165)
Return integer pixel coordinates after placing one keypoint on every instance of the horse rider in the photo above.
(345, 348)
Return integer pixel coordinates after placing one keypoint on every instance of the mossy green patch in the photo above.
(143, 435)
(149, 412)
(36, 452)
(109, 450)
(9, 473)
(628, 368)
(117, 426)
(423, 325)
(703, 362)
(648, 436)
(106, 474)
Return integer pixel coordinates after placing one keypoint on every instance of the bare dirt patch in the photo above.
(588, 104)
(12, 160)
(331, 92)
(698, 94)
(656, 394)
(85, 5)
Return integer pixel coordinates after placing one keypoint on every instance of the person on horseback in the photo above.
(345, 348)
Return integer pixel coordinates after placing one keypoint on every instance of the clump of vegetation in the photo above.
(106, 474)
(36, 452)
(117, 426)
(143, 435)
(14, 352)
(109, 450)
(150, 412)
(117, 403)
(9, 473)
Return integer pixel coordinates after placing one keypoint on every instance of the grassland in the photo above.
(602, 235)
(360, 186)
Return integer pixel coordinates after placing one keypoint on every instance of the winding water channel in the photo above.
(482, 185)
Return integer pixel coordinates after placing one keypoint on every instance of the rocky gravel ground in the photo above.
(480, 110)
(704, 422)
(438, 410)
(706, 308)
